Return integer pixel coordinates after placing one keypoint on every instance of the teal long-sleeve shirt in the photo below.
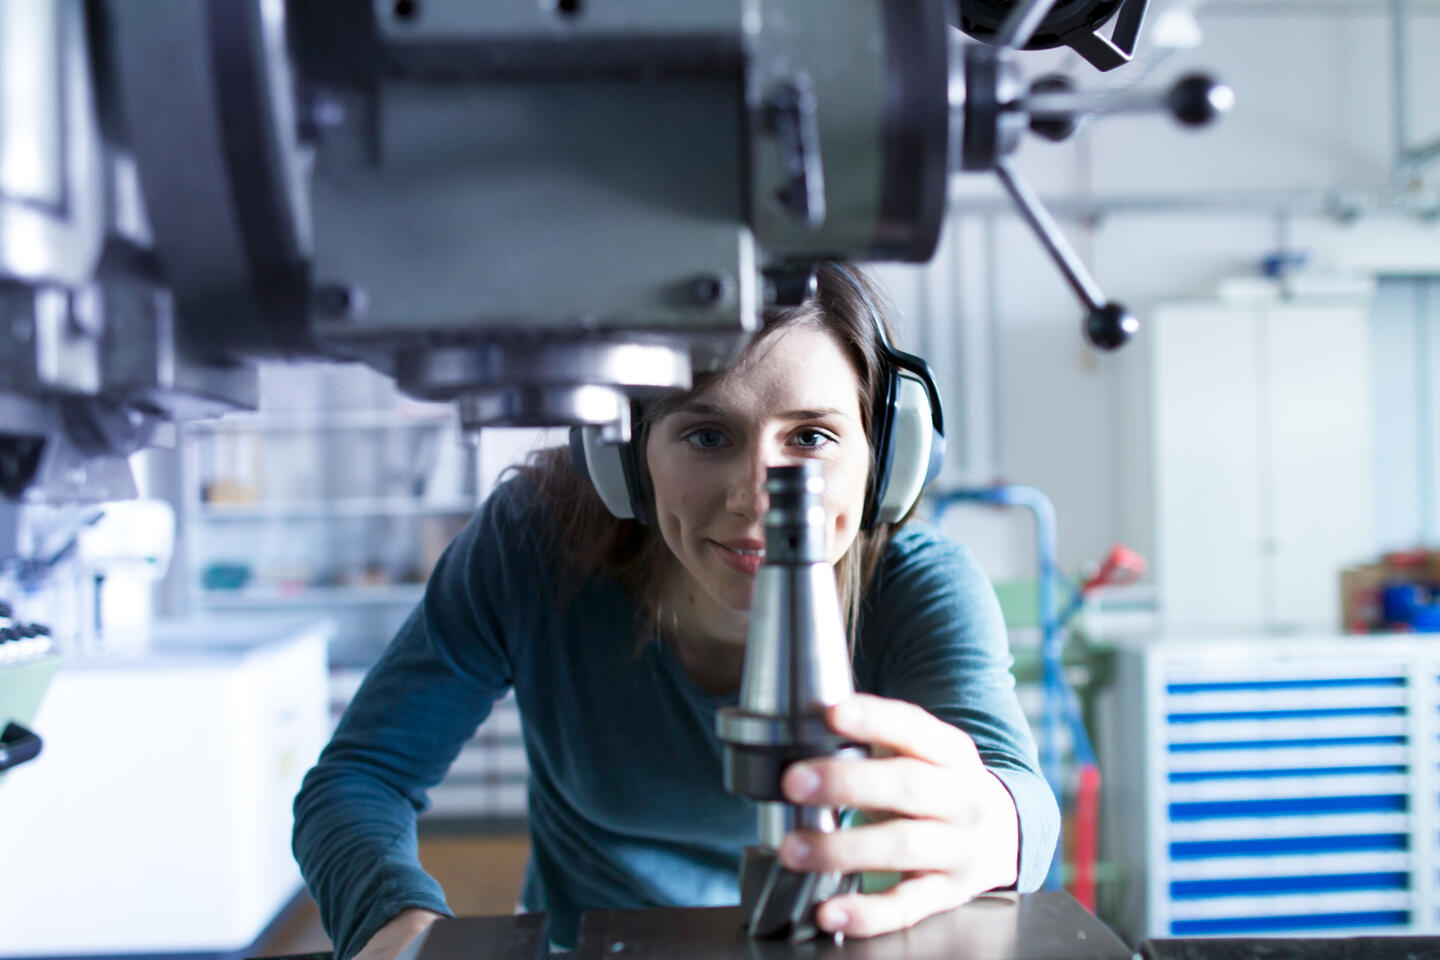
(627, 807)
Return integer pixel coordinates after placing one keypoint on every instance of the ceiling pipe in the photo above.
(1409, 161)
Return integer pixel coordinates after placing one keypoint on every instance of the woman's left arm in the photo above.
(946, 823)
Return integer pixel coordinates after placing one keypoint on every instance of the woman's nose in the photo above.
(747, 496)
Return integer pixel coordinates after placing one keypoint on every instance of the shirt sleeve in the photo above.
(933, 634)
(355, 814)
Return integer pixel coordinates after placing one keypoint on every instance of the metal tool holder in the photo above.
(797, 663)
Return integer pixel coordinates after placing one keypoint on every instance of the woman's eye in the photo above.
(812, 438)
(706, 439)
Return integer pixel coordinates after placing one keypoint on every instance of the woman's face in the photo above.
(795, 397)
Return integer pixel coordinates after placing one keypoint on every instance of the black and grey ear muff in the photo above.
(612, 470)
(913, 450)
(907, 429)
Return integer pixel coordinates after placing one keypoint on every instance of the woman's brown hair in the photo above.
(588, 540)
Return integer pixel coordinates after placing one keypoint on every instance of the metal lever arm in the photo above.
(1195, 100)
(1107, 325)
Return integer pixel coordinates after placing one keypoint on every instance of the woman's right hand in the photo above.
(396, 935)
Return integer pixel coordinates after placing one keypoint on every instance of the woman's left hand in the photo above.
(946, 824)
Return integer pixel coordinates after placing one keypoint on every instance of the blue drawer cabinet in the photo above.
(1274, 786)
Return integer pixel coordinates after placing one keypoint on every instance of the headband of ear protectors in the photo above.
(907, 437)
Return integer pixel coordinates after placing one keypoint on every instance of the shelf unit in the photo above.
(337, 496)
(350, 507)
(403, 594)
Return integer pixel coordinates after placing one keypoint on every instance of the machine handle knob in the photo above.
(1110, 326)
(1198, 99)
(17, 745)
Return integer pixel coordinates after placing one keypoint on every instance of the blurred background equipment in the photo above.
(26, 665)
(86, 570)
(1399, 593)
(1067, 757)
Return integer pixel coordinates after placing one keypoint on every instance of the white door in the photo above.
(1405, 366)
(1320, 462)
(1206, 442)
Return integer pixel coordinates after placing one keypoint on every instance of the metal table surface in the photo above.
(519, 937)
(1037, 926)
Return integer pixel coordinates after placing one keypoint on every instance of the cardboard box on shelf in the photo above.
(1362, 588)
(1360, 597)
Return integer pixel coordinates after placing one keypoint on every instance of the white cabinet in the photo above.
(1263, 461)
(157, 819)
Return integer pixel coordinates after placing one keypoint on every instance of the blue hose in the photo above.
(1060, 704)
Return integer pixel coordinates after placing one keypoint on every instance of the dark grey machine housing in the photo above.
(500, 201)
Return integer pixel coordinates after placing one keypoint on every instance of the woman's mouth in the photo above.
(742, 557)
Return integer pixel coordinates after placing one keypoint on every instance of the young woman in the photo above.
(622, 638)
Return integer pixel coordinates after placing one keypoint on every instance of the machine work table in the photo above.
(1035, 926)
(1038, 926)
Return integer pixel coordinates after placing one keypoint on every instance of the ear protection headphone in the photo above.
(907, 438)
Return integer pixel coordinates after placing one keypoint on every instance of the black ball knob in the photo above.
(1110, 326)
(1198, 99)
(1054, 126)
